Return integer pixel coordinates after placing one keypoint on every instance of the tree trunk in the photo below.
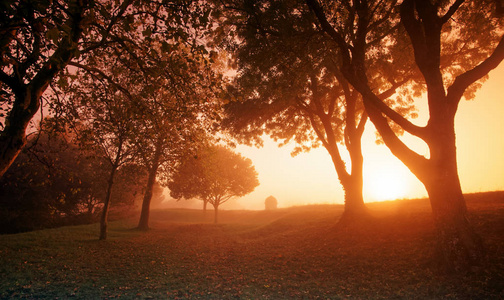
(27, 95)
(459, 247)
(355, 209)
(10, 147)
(205, 202)
(216, 213)
(13, 137)
(143, 224)
(106, 206)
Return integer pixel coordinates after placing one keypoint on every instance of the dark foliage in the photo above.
(54, 183)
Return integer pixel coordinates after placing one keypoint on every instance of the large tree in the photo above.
(289, 87)
(39, 39)
(169, 127)
(455, 44)
(215, 175)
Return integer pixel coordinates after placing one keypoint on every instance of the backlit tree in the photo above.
(455, 44)
(215, 174)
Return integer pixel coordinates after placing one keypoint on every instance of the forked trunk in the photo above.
(355, 209)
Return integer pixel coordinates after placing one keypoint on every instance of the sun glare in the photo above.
(388, 184)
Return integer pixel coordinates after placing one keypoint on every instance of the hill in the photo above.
(292, 253)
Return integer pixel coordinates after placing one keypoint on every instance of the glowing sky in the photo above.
(310, 177)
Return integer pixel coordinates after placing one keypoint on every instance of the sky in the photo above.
(310, 178)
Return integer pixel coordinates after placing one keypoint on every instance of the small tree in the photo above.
(215, 175)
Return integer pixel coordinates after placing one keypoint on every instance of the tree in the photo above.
(215, 175)
(39, 39)
(55, 183)
(288, 86)
(171, 120)
(102, 115)
(455, 44)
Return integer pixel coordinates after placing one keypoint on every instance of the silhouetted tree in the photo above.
(39, 39)
(171, 119)
(289, 87)
(103, 116)
(215, 175)
(455, 44)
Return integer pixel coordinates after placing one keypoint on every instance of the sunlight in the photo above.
(387, 184)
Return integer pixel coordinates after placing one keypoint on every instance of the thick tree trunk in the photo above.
(10, 147)
(143, 224)
(355, 209)
(13, 137)
(27, 95)
(459, 247)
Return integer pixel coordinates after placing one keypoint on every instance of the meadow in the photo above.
(289, 253)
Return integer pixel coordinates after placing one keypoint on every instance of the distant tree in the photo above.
(39, 39)
(214, 175)
(270, 203)
(455, 44)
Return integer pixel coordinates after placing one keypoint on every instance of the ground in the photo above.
(292, 253)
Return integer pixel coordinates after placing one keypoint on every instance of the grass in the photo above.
(294, 253)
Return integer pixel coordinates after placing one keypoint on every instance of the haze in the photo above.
(310, 178)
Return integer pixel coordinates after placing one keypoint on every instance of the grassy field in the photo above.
(294, 253)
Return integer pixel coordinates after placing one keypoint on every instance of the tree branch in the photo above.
(326, 26)
(463, 81)
(451, 11)
(102, 74)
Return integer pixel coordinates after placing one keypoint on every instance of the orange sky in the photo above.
(310, 177)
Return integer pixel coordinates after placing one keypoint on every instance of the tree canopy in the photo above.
(39, 39)
(215, 174)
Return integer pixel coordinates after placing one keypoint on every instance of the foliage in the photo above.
(215, 175)
(55, 183)
(40, 39)
(289, 253)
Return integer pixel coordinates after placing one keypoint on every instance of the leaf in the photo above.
(53, 35)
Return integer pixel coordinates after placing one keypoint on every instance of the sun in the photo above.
(386, 184)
